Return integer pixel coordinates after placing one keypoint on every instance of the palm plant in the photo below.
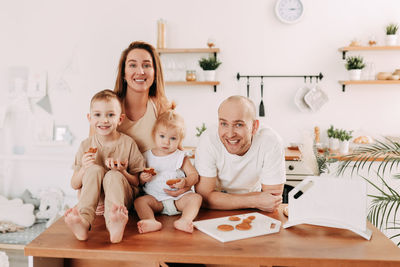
(387, 202)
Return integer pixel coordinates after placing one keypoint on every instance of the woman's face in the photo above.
(139, 70)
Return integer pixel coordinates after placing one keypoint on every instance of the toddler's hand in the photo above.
(179, 185)
(145, 177)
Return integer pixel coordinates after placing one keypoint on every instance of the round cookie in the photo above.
(243, 226)
(225, 227)
(234, 218)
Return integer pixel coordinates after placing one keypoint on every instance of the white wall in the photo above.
(81, 41)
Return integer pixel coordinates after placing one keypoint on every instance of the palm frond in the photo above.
(383, 206)
(387, 153)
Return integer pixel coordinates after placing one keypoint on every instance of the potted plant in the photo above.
(344, 137)
(201, 129)
(384, 208)
(333, 138)
(391, 37)
(354, 65)
(209, 65)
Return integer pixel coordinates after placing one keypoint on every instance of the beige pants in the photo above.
(116, 187)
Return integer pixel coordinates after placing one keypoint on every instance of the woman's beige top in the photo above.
(141, 129)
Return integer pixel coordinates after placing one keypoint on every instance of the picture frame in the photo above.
(60, 132)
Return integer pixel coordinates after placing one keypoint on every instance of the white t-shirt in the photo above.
(167, 167)
(263, 163)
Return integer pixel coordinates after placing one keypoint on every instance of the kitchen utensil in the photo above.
(299, 99)
(315, 98)
(248, 87)
(261, 225)
(262, 110)
(315, 201)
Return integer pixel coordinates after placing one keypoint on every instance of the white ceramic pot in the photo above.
(344, 147)
(333, 144)
(355, 75)
(391, 39)
(209, 75)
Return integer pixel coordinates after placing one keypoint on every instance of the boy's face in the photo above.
(105, 116)
(167, 140)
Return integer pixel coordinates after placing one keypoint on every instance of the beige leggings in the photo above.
(116, 187)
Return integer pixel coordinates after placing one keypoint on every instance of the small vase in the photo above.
(209, 75)
(333, 144)
(355, 75)
(391, 39)
(344, 147)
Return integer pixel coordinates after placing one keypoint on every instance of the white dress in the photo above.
(167, 167)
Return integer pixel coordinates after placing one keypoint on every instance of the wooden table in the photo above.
(303, 245)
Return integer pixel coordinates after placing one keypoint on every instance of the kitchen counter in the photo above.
(301, 245)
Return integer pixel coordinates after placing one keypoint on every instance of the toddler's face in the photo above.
(167, 140)
(105, 116)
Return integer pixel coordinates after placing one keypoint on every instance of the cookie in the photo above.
(252, 217)
(172, 181)
(243, 226)
(150, 170)
(92, 150)
(286, 211)
(247, 220)
(234, 218)
(116, 164)
(225, 227)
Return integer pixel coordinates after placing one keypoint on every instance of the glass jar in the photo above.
(190, 75)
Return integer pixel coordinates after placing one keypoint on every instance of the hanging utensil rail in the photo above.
(318, 77)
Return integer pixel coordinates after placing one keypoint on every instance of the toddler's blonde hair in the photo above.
(170, 119)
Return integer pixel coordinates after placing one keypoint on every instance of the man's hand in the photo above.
(267, 201)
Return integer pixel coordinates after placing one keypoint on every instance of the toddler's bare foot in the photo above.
(148, 225)
(78, 225)
(184, 225)
(117, 223)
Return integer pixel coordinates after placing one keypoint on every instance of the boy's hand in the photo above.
(145, 177)
(116, 164)
(88, 159)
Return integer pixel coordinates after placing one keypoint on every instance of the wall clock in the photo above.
(289, 11)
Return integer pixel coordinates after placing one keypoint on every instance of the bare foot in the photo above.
(116, 225)
(78, 225)
(184, 225)
(148, 225)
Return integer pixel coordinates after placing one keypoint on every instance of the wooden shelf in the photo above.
(346, 49)
(187, 50)
(375, 47)
(344, 83)
(191, 83)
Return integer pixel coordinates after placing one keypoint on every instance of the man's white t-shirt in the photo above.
(263, 163)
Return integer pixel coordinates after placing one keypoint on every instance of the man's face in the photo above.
(236, 127)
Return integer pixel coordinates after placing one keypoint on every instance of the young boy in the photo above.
(108, 161)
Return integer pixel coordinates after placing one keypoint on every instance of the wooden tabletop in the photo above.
(302, 245)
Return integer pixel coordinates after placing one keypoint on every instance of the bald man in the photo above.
(240, 165)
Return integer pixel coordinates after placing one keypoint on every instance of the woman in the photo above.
(140, 85)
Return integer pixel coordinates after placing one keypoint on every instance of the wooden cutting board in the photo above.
(261, 225)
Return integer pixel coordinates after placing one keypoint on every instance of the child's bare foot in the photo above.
(148, 225)
(78, 225)
(116, 225)
(184, 225)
